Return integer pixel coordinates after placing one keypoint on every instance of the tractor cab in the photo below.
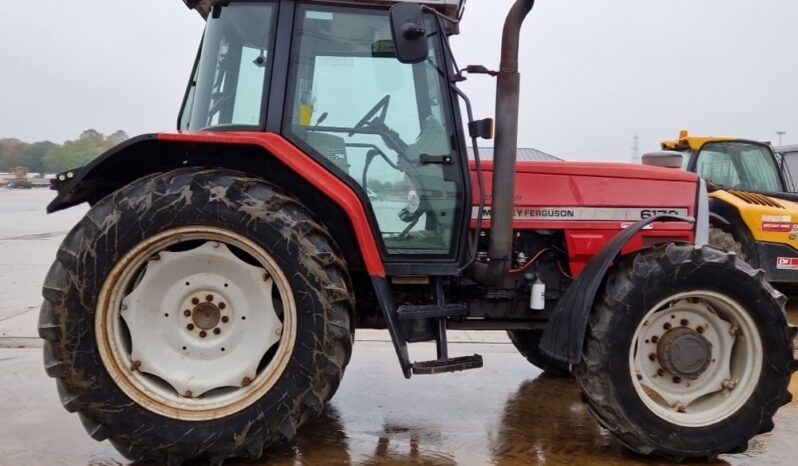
(388, 129)
(725, 162)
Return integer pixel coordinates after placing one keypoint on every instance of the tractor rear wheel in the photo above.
(197, 314)
(527, 342)
(688, 353)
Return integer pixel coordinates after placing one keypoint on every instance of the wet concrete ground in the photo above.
(506, 413)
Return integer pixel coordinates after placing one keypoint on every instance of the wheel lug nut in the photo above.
(652, 357)
(729, 384)
(222, 305)
(666, 325)
(209, 298)
(700, 329)
(187, 312)
(203, 334)
(190, 326)
(677, 379)
(246, 381)
(194, 301)
(217, 331)
(661, 372)
(685, 322)
(225, 319)
(654, 339)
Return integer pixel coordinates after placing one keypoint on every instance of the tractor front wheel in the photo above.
(688, 353)
(197, 314)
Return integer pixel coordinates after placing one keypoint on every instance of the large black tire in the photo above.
(633, 288)
(232, 201)
(527, 342)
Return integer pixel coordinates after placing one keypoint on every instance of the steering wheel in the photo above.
(381, 107)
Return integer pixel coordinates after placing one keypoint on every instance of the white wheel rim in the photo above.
(189, 329)
(732, 370)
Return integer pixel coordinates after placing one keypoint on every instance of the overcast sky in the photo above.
(594, 72)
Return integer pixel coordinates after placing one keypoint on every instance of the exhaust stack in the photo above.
(508, 89)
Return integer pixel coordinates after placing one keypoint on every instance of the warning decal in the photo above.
(787, 263)
(781, 223)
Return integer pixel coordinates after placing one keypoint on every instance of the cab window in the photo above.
(382, 124)
(228, 88)
(739, 165)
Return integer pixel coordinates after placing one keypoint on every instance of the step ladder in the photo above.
(439, 312)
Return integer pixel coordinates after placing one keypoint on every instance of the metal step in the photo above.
(447, 365)
(411, 312)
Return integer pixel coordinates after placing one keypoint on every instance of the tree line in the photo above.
(49, 157)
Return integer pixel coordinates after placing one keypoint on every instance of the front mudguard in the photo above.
(565, 332)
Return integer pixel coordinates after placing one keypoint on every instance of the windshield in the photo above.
(739, 165)
(233, 70)
(384, 124)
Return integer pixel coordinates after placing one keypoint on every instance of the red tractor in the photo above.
(318, 182)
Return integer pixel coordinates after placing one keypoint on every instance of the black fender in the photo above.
(565, 333)
(112, 169)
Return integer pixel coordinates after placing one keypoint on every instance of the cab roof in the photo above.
(451, 8)
(686, 141)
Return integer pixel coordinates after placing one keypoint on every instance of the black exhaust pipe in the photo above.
(508, 89)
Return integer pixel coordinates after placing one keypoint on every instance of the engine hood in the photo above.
(599, 169)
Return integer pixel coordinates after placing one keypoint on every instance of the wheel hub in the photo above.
(683, 352)
(695, 357)
(206, 315)
(223, 319)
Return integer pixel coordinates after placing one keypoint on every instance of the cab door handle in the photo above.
(436, 159)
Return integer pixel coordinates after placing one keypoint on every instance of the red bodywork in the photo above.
(604, 189)
(591, 202)
(309, 169)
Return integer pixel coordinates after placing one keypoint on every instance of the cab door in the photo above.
(386, 128)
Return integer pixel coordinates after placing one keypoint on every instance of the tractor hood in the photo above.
(619, 192)
(599, 169)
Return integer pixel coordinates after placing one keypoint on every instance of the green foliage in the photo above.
(48, 157)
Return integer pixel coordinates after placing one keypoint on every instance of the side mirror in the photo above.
(409, 33)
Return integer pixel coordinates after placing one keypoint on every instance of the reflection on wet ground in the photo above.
(543, 422)
(504, 414)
